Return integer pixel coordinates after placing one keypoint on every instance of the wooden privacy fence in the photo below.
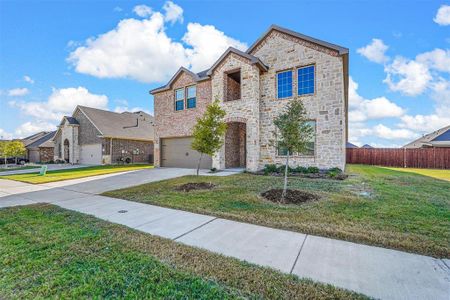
(430, 158)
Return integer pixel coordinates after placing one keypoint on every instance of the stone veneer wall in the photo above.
(88, 133)
(69, 132)
(245, 110)
(327, 106)
(171, 123)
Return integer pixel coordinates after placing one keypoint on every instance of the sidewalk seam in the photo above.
(298, 255)
(180, 236)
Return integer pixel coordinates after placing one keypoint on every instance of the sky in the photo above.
(109, 54)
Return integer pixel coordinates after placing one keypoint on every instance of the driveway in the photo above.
(374, 271)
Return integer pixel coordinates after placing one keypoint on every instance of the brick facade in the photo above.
(258, 105)
(171, 123)
(137, 151)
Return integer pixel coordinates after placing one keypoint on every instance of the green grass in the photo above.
(49, 252)
(59, 175)
(18, 168)
(438, 174)
(374, 206)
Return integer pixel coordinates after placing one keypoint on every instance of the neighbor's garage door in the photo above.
(91, 154)
(177, 152)
(34, 156)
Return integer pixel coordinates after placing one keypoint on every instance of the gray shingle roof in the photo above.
(44, 141)
(428, 139)
(126, 125)
(71, 120)
(32, 138)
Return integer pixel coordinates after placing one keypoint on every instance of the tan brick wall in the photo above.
(326, 106)
(171, 123)
(235, 145)
(128, 146)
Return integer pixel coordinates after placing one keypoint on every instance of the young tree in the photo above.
(3, 150)
(15, 148)
(209, 131)
(293, 133)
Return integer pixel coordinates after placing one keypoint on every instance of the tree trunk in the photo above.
(15, 159)
(283, 195)
(199, 161)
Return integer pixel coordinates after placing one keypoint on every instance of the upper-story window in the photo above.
(191, 97)
(305, 77)
(179, 99)
(284, 84)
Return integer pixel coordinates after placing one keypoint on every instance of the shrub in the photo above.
(271, 168)
(281, 169)
(301, 169)
(313, 170)
(334, 172)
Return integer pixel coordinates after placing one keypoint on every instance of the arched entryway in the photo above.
(235, 145)
(66, 150)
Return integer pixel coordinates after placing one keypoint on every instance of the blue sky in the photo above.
(109, 54)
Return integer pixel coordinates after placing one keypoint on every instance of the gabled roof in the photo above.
(126, 125)
(350, 145)
(44, 141)
(253, 59)
(438, 137)
(366, 146)
(32, 138)
(197, 77)
(71, 120)
(339, 49)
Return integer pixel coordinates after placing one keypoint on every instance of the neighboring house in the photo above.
(366, 146)
(93, 136)
(33, 138)
(42, 149)
(350, 145)
(438, 138)
(253, 88)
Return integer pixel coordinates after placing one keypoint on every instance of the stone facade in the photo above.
(326, 106)
(171, 123)
(68, 132)
(258, 104)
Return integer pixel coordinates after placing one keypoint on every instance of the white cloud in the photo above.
(142, 10)
(437, 59)
(142, 50)
(61, 102)
(424, 123)
(385, 132)
(368, 109)
(29, 128)
(173, 12)
(443, 15)
(208, 44)
(18, 92)
(409, 77)
(375, 51)
(117, 9)
(28, 79)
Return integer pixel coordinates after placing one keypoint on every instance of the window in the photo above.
(179, 99)
(305, 77)
(191, 97)
(233, 86)
(282, 151)
(284, 84)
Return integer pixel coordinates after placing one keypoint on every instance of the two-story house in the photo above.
(253, 88)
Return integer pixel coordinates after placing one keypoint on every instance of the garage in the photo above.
(177, 152)
(91, 154)
(33, 155)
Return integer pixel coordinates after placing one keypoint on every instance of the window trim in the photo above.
(276, 83)
(315, 81)
(186, 96)
(176, 100)
(295, 154)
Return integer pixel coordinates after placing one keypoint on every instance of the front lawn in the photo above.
(374, 206)
(49, 252)
(435, 173)
(59, 175)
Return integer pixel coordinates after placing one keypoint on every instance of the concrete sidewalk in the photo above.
(374, 271)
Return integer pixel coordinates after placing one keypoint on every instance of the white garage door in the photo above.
(91, 154)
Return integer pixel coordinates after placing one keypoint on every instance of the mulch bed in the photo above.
(192, 186)
(292, 196)
(303, 175)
